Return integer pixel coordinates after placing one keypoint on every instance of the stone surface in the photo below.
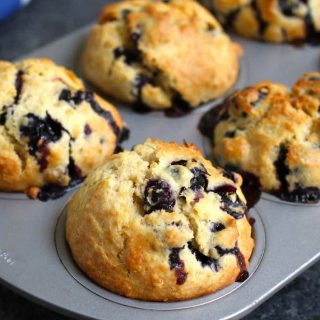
(42, 22)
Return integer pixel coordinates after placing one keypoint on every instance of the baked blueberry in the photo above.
(158, 196)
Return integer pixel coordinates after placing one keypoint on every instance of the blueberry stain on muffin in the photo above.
(178, 265)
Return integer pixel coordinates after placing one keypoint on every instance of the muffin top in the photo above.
(169, 227)
(52, 131)
(270, 20)
(160, 55)
(274, 133)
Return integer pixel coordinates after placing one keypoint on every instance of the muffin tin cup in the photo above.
(35, 260)
(66, 259)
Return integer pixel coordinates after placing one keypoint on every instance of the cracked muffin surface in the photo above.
(170, 227)
(160, 55)
(52, 131)
(274, 133)
(270, 20)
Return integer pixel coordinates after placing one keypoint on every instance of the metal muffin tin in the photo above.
(34, 257)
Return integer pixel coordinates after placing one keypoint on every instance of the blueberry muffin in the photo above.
(170, 55)
(170, 227)
(52, 131)
(270, 20)
(274, 133)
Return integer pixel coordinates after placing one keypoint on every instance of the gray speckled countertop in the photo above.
(42, 22)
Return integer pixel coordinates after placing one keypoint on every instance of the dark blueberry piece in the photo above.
(199, 180)
(80, 96)
(251, 188)
(288, 8)
(124, 13)
(51, 192)
(225, 188)
(158, 195)
(135, 36)
(179, 108)
(179, 163)
(212, 118)
(3, 116)
(216, 227)
(313, 34)
(118, 149)
(229, 175)
(87, 130)
(204, 260)
(231, 206)
(65, 95)
(231, 18)
(235, 208)
(178, 265)
(210, 28)
(74, 171)
(281, 167)
(18, 85)
(230, 134)
(313, 78)
(41, 131)
(262, 24)
(263, 93)
(223, 252)
(243, 274)
(118, 52)
(44, 152)
(139, 82)
(130, 56)
(124, 134)
(302, 195)
(251, 220)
